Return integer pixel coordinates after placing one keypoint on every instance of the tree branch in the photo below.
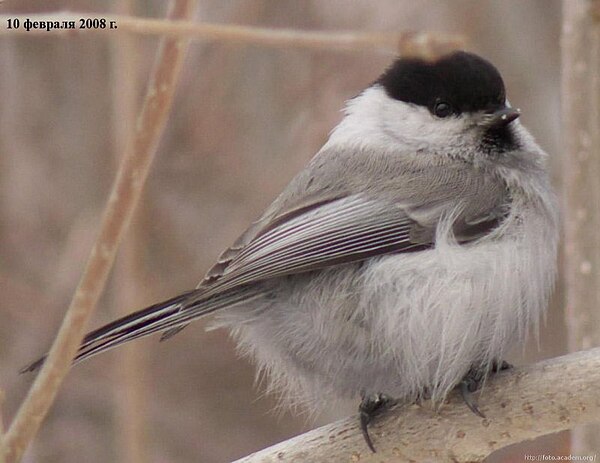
(520, 404)
(403, 43)
(121, 204)
(129, 391)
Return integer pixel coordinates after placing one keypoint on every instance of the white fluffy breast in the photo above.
(443, 311)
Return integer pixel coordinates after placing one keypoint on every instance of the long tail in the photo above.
(169, 316)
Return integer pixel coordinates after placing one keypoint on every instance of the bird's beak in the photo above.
(499, 118)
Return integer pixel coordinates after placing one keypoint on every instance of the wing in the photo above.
(334, 230)
(330, 233)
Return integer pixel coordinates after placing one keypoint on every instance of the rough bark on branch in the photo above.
(520, 404)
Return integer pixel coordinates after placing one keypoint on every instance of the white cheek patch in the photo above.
(415, 125)
(375, 119)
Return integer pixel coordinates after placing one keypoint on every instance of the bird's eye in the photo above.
(442, 109)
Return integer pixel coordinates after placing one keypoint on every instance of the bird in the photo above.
(410, 253)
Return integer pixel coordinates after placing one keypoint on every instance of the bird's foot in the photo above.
(500, 365)
(473, 381)
(370, 407)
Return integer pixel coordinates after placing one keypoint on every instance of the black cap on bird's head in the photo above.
(453, 84)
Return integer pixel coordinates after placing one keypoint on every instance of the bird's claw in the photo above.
(369, 408)
(472, 382)
(467, 387)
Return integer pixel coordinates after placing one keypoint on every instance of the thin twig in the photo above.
(427, 44)
(520, 404)
(128, 387)
(119, 209)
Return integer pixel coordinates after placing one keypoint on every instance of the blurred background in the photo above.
(245, 120)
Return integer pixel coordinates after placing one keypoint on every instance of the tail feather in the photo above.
(136, 319)
(169, 316)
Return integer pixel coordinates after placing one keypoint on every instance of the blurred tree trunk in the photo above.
(581, 167)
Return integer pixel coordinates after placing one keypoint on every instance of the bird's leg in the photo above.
(371, 406)
(473, 380)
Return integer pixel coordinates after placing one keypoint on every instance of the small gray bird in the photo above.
(416, 247)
